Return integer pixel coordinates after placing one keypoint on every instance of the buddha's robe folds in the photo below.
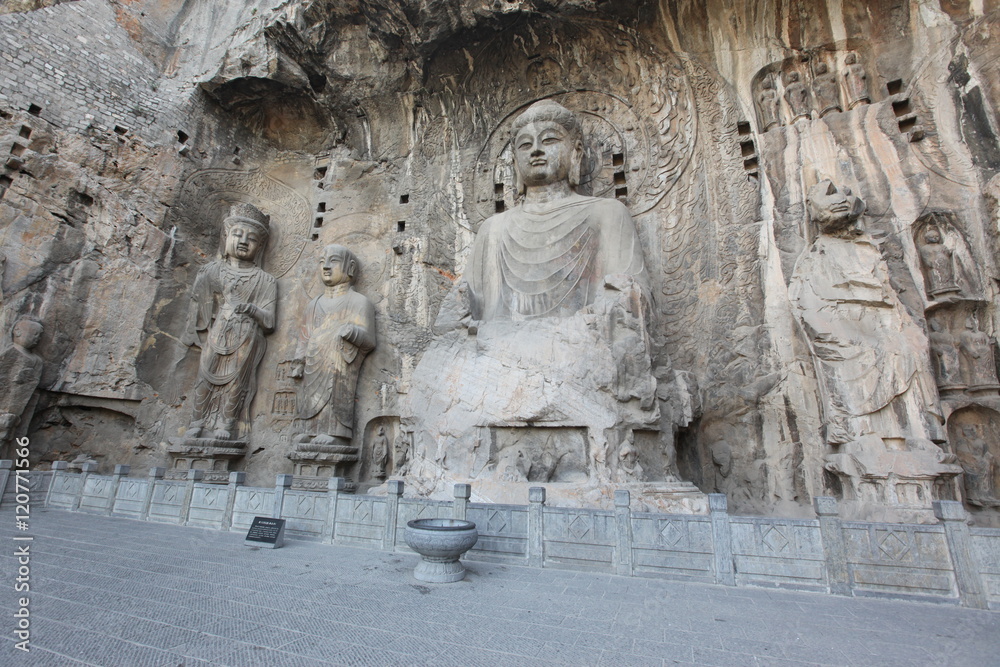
(235, 344)
(551, 264)
(338, 330)
(871, 356)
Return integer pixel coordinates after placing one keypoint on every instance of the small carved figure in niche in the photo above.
(979, 466)
(233, 306)
(337, 332)
(401, 454)
(21, 370)
(855, 81)
(797, 96)
(380, 453)
(825, 90)
(722, 460)
(944, 350)
(861, 336)
(977, 351)
(549, 256)
(768, 103)
(939, 264)
(629, 468)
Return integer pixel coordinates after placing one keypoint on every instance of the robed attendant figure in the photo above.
(21, 371)
(337, 332)
(233, 306)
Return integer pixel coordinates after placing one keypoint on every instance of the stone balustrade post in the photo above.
(57, 468)
(192, 477)
(121, 470)
(623, 530)
(722, 539)
(236, 480)
(334, 487)
(6, 465)
(281, 484)
(87, 469)
(834, 550)
(968, 576)
(536, 526)
(460, 508)
(391, 513)
(155, 474)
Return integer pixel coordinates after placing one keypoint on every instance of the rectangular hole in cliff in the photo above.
(902, 107)
(498, 190)
(500, 207)
(320, 173)
(404, 199)
(182, 137)
(751, 164)
(34, 110)
(25, 132)
(321, 207)
(319, 222)
(743, 128)
(907, 124)
(17, 150)
(401, 226)
(315, 235)
(618, 159)
(4, 115)
(120, 130)
(895, 87)
(621, 192)
(747, 148)
(5, 182)
(619, 178)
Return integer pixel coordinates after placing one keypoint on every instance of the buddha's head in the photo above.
(247, 229)
(27, 332)
(548, 145)
(834, 209)
(337, 265)
(932, 235)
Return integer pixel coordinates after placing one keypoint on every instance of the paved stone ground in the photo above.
(120, 592)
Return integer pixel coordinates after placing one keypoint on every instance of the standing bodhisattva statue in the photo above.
(338, 331)
(233, 304)
(21, 370)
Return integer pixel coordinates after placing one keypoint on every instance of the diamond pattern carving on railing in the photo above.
(774, 540)
(893, 545)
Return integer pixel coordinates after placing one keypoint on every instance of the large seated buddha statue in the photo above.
(541, 365)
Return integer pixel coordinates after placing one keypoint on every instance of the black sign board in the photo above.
(266, 532)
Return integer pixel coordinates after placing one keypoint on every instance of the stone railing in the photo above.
(948, 561)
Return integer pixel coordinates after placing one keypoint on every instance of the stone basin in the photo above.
(440, 543)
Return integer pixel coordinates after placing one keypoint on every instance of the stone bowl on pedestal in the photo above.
(440, 543)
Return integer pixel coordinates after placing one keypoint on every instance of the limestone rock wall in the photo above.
(379, 124)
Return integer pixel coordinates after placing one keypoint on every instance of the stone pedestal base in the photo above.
(208, 454)
(314, 465)
(886, 480)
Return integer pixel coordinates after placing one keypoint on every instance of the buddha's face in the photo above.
(544, 153)
(27, 334)
(833, 208)
(333, 267)
(932, 235)
(243, 242)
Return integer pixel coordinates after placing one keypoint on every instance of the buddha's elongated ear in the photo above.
(576, 164)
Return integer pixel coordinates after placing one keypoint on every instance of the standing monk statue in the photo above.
(338, 330)
(233, 303)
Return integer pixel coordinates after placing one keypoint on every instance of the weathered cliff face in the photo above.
(381, 125)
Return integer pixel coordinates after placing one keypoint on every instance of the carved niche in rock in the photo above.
(337, 332)
(977, 348)
(825, 90)
(974, 434)
(21, 370)
(233, 303)
(938, 262)
(855, 81)
(945, 355)
(880, 406)
(547, 329)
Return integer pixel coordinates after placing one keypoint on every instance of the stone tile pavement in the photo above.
(111, 591)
